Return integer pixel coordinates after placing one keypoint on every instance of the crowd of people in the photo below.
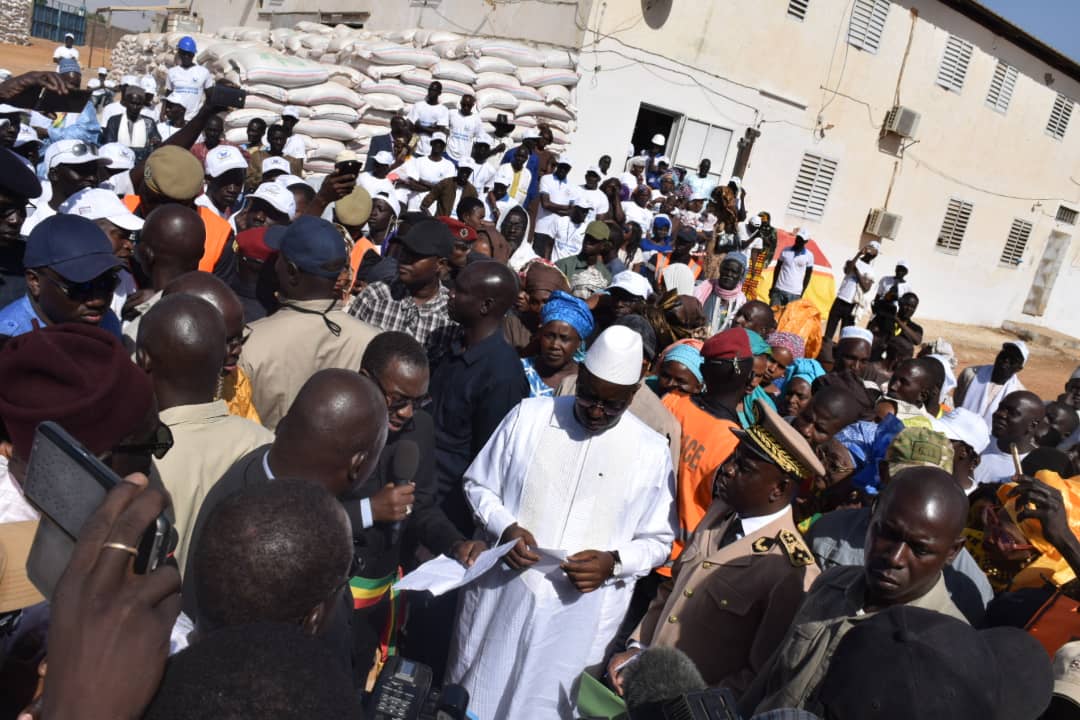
(448, 346)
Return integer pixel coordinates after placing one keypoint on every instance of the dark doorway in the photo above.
(651, 121)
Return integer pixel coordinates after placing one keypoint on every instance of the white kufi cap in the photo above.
(616, 356)
(854, 331)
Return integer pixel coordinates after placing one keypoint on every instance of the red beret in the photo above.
(732, 344)
(458, 229)
(252, 244)
(77, 375)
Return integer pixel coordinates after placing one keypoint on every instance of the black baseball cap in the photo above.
(429, 238)
(73, 246)
(16, 177)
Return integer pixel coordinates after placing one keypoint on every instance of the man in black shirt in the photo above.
(478, 381)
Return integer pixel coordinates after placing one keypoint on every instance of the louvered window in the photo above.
(1059, 117)
(954, 64)
(797, 8)
(1066, 215)
(1016, 242)
(868, 24)
(954, 226)
(812, 186)
(1001, 86)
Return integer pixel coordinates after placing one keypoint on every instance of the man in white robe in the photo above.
(980, 389)
(578, 475)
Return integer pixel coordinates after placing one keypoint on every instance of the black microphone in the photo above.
(403, 467)
(659, 675)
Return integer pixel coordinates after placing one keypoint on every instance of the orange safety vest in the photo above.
(707, 442)
(663, 260)
(218, 232)
(360, 248)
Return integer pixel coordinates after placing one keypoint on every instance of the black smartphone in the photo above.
(348, 167)
(227, 96)
(67, 483)
(74, 101)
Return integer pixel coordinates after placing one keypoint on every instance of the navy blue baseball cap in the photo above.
(73, 246)
(312, 244)
(16, 178)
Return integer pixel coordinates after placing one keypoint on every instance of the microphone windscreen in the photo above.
(661, 673)
(405, 463)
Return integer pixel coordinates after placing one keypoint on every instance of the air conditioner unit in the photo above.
(883, 224)
(902, 121)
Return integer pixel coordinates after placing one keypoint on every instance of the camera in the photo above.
(403, 691)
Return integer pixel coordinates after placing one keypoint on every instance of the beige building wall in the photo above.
(747, 63)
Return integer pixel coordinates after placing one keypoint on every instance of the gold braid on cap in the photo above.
(787, 462)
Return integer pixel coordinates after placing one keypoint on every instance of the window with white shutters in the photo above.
(812, 186)
(1066, 215)
(954, 226)
(868, 24)
(1016, 242)
(954, 64)
(1001, 86)
(1059, 117)
(797, 8)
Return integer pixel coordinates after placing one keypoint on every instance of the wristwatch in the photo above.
(616, 569)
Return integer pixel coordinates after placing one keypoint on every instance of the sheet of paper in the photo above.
(550, 560)
(442, 574)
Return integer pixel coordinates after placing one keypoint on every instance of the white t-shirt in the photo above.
(428, 116)
(559, 192)
(598, 200)
(793, 270)
(642, 217)
(463, 131)
(187, 86)
(375, 185)
(568, 238)
(426, 170)
(524, 180)
(295, 147)
(43, 211)
(888, 282)
(995, 466)
(166, 131)
(482, 176)
(65, 52)
(850, 284)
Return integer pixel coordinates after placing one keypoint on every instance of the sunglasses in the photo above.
(395, 402)
(103, 284)
(158, 447)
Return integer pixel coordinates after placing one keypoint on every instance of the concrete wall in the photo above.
(779, 74)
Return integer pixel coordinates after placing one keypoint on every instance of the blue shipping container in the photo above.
(52, 20)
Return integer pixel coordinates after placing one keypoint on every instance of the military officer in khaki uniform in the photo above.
(744, 571)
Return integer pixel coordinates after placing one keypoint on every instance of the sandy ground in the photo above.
(1046, 371)
(38, 56)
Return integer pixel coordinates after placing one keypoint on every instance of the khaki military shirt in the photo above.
(288, 347)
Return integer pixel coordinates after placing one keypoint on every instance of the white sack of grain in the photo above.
(408, 93)
(543, 110)
(375, 71)
(267, 66)
(559, 58)
(324, 149)
(240, 118)
(556, 95)
(490, 64)
(517, 53)
(393, 54)
(331, 129)
(345, 75)
(491, 97)
(539, 77)
(327, 92)
(452, 50)
(418, 77)
(338, 113)
(451, 70)
(259, 102)
(273, 92)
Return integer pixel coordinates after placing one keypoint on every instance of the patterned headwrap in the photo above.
(687, 356)
(792, 342)
(570, 310)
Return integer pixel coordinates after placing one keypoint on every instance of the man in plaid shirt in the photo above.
(415, 303)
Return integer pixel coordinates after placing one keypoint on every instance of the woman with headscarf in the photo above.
(721, 298)
(762, 352)
(538, 280)
(659, 239)
(796, 386)
(514, 226)
(786, 349)
(679, 371)
(565, 322)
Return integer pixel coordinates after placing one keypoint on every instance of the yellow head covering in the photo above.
(1050, 566)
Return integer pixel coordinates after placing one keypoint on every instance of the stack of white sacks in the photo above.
(348, 83)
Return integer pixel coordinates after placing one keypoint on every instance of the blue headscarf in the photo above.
(867, 442)
(570, 310)
(648, 243)
(687, 356)
(805, 368)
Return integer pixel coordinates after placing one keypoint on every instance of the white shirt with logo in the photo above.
(187, 86)
(793, 271)
(464, 130)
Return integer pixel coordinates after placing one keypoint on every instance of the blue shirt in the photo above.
(18, 318)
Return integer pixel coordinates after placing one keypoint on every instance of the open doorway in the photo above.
(1057, 245)
(650, 121)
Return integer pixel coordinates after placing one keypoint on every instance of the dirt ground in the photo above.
(1046, 371)
(38, 56)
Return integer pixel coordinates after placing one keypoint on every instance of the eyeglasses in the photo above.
(161, 444)
(240, 339)
(396, 402)
(609, 407)
(103, 284)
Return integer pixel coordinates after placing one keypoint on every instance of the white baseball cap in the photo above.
(467, 163)
(504, 176)
(1067, 672)
(68, 35)
(902, 263)
(594, 170)
(563, 160)
(26, 136)
(873, 244)
(858, 333)
(753, 221)
(1021, 346)
(278, 197)
(119, 156)
(102, 71)
(580, 198)
(633, 283)
(70, 152)
(149, 85)
(438, 136)
(967, 427)
(276, 163)
(390, 200)
(128, 80)
(224, 158)
(6, 109)
(485, 139)
(530, 133)
(663, 159)
(290, 111)
(659, 139)
(384, 157)
(287, 181)
(98, 204)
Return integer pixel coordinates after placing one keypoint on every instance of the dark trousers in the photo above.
(841, 313)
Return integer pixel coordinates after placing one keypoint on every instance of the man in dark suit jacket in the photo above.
(138, 132)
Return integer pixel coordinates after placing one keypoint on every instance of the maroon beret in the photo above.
(77, 375)
(732, 344)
